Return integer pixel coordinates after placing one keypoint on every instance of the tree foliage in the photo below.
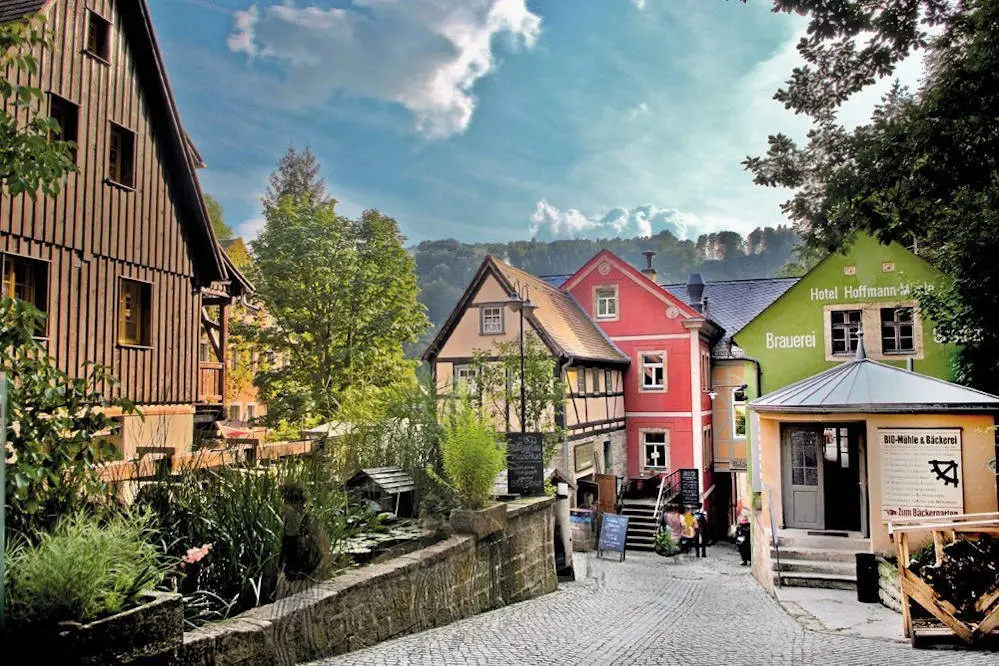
(29, 162)
(296, 176)
(56, 426)
(217, 216)
(341, 295)
(923, 171)
(497, 388)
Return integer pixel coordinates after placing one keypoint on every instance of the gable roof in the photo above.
(636, 275)
(177, 147)
(559, 320)
(830, 257)
(863, 385)
(734, 303)
(12, 10)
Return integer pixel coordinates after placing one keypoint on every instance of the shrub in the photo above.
(239, 512)
(53, 421)
(473, 454)
(83, 570)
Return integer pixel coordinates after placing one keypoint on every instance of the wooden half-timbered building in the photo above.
(123, 260)
(589, 364)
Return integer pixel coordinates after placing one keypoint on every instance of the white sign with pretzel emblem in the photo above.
(921, 472)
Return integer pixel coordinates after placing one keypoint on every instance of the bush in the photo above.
(239, 512)
(53, 421)
(473, 454)
(83, 570)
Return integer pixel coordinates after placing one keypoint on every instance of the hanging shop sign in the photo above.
(921, 473)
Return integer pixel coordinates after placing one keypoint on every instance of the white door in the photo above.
(803, 501)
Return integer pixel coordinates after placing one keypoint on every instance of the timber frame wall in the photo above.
(96, 232)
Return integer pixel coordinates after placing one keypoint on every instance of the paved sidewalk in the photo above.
(649, 610)
(839, 612)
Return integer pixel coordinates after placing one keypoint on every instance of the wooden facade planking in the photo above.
(94, 233)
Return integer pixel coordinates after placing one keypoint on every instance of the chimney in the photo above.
(648, 270)
(695, 292)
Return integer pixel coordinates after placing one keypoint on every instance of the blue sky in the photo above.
(490, 120)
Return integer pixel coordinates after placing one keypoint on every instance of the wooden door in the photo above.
(606, 493)
(802, 463)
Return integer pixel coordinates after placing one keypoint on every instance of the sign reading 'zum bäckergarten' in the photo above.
(920, 472)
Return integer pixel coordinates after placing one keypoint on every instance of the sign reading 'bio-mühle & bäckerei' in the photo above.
(921, 473)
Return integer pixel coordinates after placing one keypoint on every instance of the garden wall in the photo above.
(434, 586)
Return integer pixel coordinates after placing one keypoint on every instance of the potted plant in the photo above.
(473, 454)
(84, 593)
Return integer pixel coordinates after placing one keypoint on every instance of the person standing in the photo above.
(701, 535)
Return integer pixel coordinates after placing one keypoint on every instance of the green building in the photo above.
(816, 323)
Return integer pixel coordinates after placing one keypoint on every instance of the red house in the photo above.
(667, 385)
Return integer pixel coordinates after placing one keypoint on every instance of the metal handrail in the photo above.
(669, 487)
(773, 535)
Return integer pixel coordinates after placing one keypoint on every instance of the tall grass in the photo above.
(82, 570)
(473, 454)
(239, 511)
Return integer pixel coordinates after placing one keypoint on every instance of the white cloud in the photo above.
(639, 3)
(426, 56)
(250, 229)
(551, 223)
(639, 110)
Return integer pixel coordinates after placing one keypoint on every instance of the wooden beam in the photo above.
(941, 609)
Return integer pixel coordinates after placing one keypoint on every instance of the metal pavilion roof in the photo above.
(863, 385)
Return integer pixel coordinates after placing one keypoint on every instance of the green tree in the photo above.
(30, 162)
(923, 171)
(342, 297)
(497, 388)
(217, 216)
(297, 176)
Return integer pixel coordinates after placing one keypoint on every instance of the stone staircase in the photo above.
(641, 523)
(818, 560)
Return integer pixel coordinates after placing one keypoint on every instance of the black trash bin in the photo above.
(867, 578)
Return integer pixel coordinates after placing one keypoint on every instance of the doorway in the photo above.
(822, 477)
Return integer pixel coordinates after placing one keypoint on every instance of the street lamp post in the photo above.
(523, 303)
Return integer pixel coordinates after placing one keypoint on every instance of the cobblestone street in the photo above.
(648, 610)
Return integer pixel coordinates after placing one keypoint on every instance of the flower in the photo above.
(11, 454)
(195, 554)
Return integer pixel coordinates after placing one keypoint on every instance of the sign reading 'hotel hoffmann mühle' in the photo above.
(920, 472)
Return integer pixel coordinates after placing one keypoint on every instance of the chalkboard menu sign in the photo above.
(613, 534)
(690, 487)
(525, 463)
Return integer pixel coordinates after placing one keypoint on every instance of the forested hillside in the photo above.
(444, 267)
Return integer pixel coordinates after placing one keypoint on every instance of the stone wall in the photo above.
(447, 581)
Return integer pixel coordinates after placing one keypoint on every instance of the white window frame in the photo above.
(464, 378)
(642, 365)
(895, 324)
(643, 434)
(495, 314)
(736, 404)
(606, 307)
(238, 412)
(251, 411)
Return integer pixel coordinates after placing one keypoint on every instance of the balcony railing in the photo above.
(210, 386)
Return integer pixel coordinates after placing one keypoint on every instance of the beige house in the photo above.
(589, 365)
(842, 452)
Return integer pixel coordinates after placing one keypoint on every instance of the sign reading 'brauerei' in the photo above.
(525, 463)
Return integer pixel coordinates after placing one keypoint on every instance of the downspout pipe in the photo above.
(755, 480)
(569, 360)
